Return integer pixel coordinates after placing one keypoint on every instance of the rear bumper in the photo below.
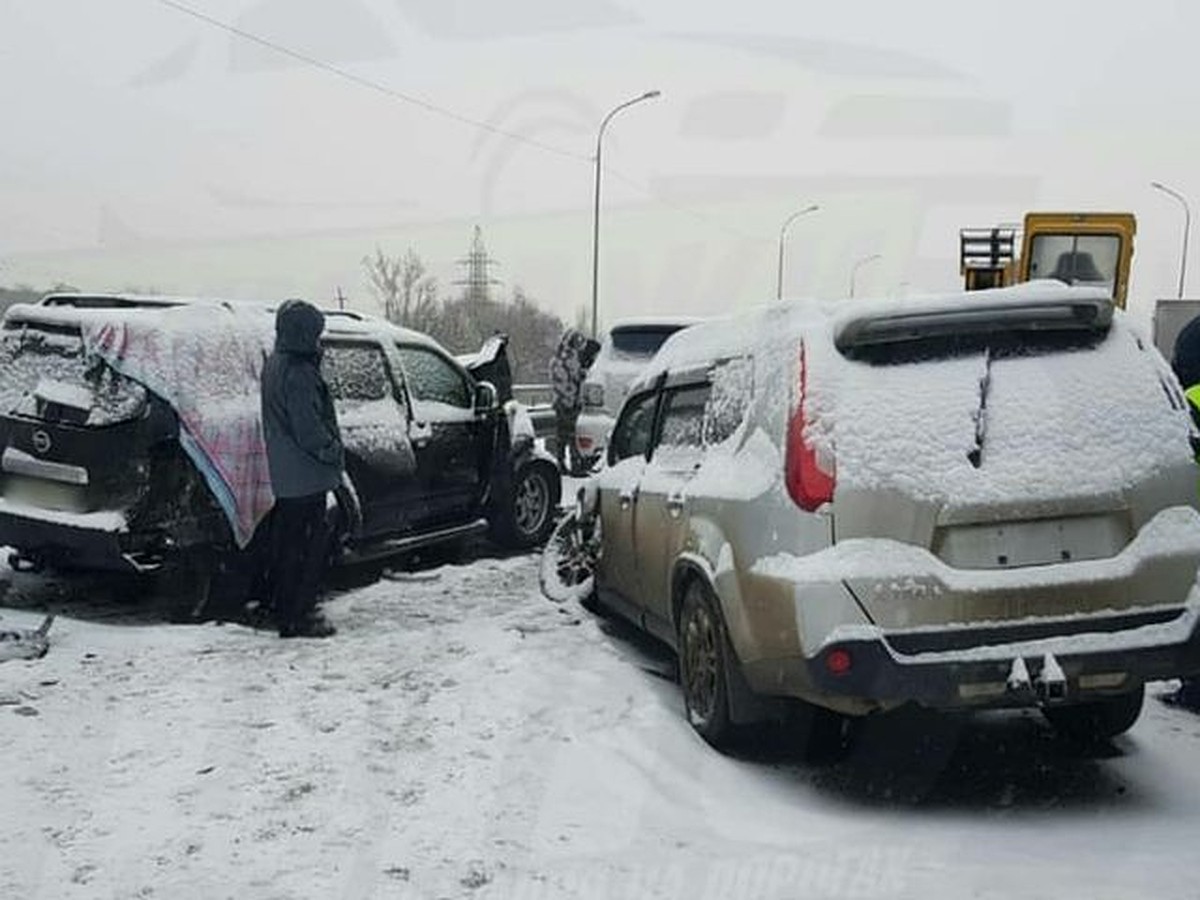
(87, 540)
(592, 430)
(996, 667)
(950, 638)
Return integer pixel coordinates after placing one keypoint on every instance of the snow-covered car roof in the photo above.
(653, 322)
(347, 323)
(766, 326)
(72, 309)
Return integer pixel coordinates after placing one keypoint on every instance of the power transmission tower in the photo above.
(478, 282)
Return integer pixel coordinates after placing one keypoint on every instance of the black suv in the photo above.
(93, 474)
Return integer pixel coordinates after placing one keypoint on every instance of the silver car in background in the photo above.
(624, 351)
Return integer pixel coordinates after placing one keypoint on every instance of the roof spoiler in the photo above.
(906, 325)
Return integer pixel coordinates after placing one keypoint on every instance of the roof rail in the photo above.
(346, 314)
(106, 301)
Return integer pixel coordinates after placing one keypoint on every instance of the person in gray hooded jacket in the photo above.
(305, 458)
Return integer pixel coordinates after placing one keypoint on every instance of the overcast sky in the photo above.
(146, 148)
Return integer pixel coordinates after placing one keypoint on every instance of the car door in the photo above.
(618, 487)
(447, 435)
(373, 418)
(660, 526)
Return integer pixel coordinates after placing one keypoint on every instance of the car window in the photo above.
(640, 340)
(683, 417)
(356, 373)
(432, 377)
(732, 389)
(1076, 259)
(631, 436)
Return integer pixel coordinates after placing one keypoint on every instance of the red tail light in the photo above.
(808, 484)
(838, 661)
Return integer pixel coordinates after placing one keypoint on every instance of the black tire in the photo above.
(202, 584)
(826, 736)
(527, 516)
(703, 660)
(184, 589)
(1098, 720)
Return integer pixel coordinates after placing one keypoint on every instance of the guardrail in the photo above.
(534, 394)
(538, 400)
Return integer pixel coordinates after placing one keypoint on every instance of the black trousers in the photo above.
(299, 551)
(565, 421)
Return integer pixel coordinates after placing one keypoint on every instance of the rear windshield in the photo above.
(44, 374)
(641, 340)
(999, 345)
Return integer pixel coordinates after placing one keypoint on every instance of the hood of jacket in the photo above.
(298, 327)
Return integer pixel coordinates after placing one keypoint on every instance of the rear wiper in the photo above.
(985, 383)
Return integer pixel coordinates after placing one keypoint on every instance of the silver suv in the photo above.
(982, 500)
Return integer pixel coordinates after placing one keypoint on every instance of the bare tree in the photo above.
(384, 274)
(403, 285)
(411, 298)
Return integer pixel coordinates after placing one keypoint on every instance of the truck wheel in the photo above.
(527, 519)
(1097, 720)
(703, 651)
(183, 588)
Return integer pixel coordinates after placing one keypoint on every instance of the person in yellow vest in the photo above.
(1185, 360)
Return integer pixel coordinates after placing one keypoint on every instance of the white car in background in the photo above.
(624, 352)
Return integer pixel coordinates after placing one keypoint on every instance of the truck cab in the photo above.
(1076, 248)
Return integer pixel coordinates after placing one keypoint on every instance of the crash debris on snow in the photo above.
(26, 643)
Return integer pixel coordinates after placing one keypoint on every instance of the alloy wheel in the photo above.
(531, 504)
(701, 663)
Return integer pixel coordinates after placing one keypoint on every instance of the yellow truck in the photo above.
(1074, 247)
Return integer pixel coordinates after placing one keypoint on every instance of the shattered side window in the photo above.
(631, 437)
(430, 377)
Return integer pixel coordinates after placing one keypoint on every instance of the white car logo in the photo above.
(41, 442)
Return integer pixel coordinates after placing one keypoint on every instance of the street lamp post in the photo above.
(649, 95)
(858, 265)
(1187, 227)
(782, 233)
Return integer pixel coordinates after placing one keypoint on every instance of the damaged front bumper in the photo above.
(98, 540)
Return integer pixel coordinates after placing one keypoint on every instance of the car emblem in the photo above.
(41, 441)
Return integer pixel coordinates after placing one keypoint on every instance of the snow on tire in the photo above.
(568, 566)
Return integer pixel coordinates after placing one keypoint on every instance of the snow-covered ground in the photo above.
(463, 737)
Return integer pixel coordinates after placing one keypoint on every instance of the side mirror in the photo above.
(485, 397)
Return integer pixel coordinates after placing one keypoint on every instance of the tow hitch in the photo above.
(1047, 685)
(1051, 683)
